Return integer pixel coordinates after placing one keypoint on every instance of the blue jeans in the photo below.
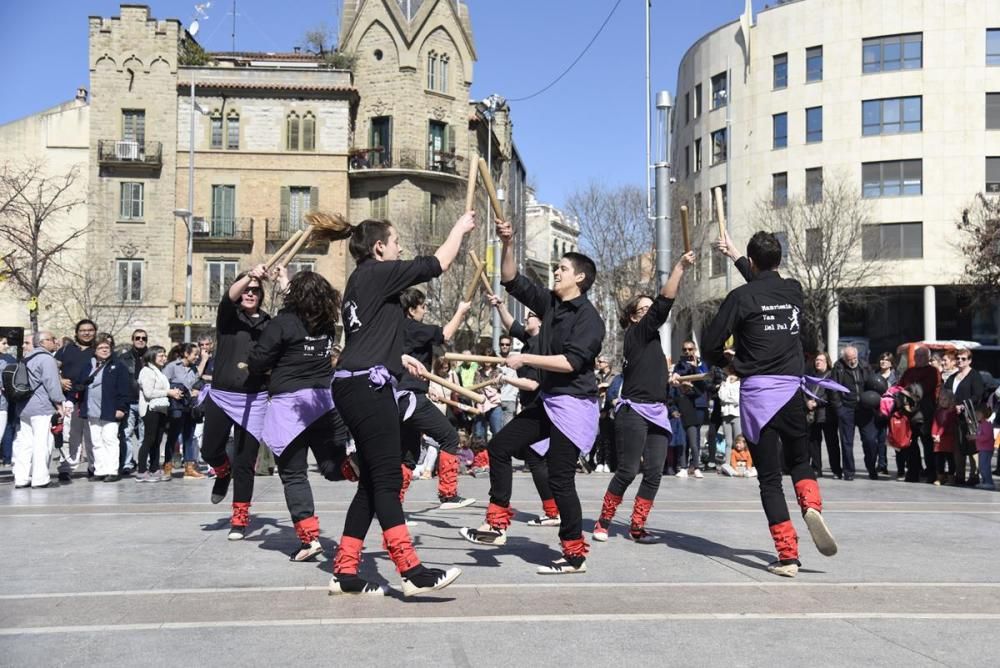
(182, 427)
(986, 467)
(495, 418)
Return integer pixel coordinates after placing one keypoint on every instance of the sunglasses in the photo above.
(138, 338)
(255, 291)
(963, 359)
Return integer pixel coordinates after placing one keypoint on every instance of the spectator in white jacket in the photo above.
(729, 398)
(154, 400)
(33, 439)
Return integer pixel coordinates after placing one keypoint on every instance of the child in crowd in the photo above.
(985, 443)
(729, 398)
(465, 454)
(943, 432)
(740, 464)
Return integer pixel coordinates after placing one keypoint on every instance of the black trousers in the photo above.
(640, 445)
(539, 471)
(789, 425)
(293, 465)
(530, 426)
(373, 419)
(213, 449)
(426, 419)
(817, 432)
(155, 425)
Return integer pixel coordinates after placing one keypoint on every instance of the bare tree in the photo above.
(618, 235)
(33, 205)
(823, 237)
(980, 244)
(92, 291)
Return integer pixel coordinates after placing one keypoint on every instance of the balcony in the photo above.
(201, 313)
(405, 159)
(281, 229)
(129, 153)
(223, 230)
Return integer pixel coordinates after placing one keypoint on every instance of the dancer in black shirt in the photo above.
(363, 388)
(642, 424)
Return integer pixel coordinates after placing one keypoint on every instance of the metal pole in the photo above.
(649, 194)
(663, 212)
(190, 224)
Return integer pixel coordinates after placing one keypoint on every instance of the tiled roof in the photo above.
(185, 85)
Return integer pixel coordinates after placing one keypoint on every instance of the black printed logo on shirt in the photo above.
(780, 318)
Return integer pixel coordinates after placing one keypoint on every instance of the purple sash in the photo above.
(291, 413)
(761, 397)
(246, 410)
(576, 417)
(379, 376)
(655, 413)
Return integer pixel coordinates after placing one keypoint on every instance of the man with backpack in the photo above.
(36, 395)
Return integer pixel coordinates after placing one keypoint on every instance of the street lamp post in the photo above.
(185, 215)
(663, 217)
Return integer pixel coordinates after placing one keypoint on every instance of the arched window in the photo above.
(432, 64)
(443, 74)
(309, 132)
(216, 120)
(292, 132)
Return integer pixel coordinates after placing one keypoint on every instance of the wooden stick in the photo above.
(482, 274)
(484, 171)
(684, 229)
(720, 212)
(479, 386)
(470, 190)
(692, 378)
(281, 251)
(460, 406)
(470, 289)
(465, 392)
(459, 357)
(303, 240)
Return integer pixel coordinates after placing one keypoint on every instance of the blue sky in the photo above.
(588, 127)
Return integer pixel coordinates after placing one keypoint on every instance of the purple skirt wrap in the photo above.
(246, 410)
(761, 397)
(576, 417)
(291, 413)
(655, 413)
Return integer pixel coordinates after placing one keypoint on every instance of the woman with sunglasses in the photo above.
(967, 385)
(237, 400)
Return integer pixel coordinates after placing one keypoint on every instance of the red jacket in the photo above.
(945, 420)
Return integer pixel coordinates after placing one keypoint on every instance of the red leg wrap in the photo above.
(481, 460)
(241, 514)
(400, 548)
(348, 556)
(786, 541)
(577, 547)
(608, 508)
(498, 517)
(640, 511)
(550, 508)
(307, 529)
(447, 474)
(807, 493)
(407, 477)
(223, 470)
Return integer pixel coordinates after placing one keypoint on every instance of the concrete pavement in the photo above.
(115, 574)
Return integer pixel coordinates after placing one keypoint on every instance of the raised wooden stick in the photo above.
(692, 378)
(484, 171)
(465, 392)
(720, 212)
(470, 289)
(470, 190)
(459, 357)
(482, 274)
(284, 248)
(472, 410)
(303, 240)
(684, 229)
(479, 386)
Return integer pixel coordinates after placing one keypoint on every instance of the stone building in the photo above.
(549, 233)
(901, 98)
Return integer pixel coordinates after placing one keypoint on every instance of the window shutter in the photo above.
(309, 133)
(427, 211)
(313, 199)
(123, 208)
(286, 203)
(993, 111)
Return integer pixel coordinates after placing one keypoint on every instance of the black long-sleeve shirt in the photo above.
(296, 360)
(419, 341)
(764, 316)
(571, 328)
(373, 316)
(530, 342)
(644, 367)
(236, 332)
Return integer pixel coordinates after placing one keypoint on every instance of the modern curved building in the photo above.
(900, 97)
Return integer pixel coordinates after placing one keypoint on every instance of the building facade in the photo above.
(549, 233)
(898, 98)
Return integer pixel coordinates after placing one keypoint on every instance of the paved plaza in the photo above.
(126, 574)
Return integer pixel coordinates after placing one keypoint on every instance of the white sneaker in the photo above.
(682, 473)
(564, 566)
(600, 532)
(698, 474)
